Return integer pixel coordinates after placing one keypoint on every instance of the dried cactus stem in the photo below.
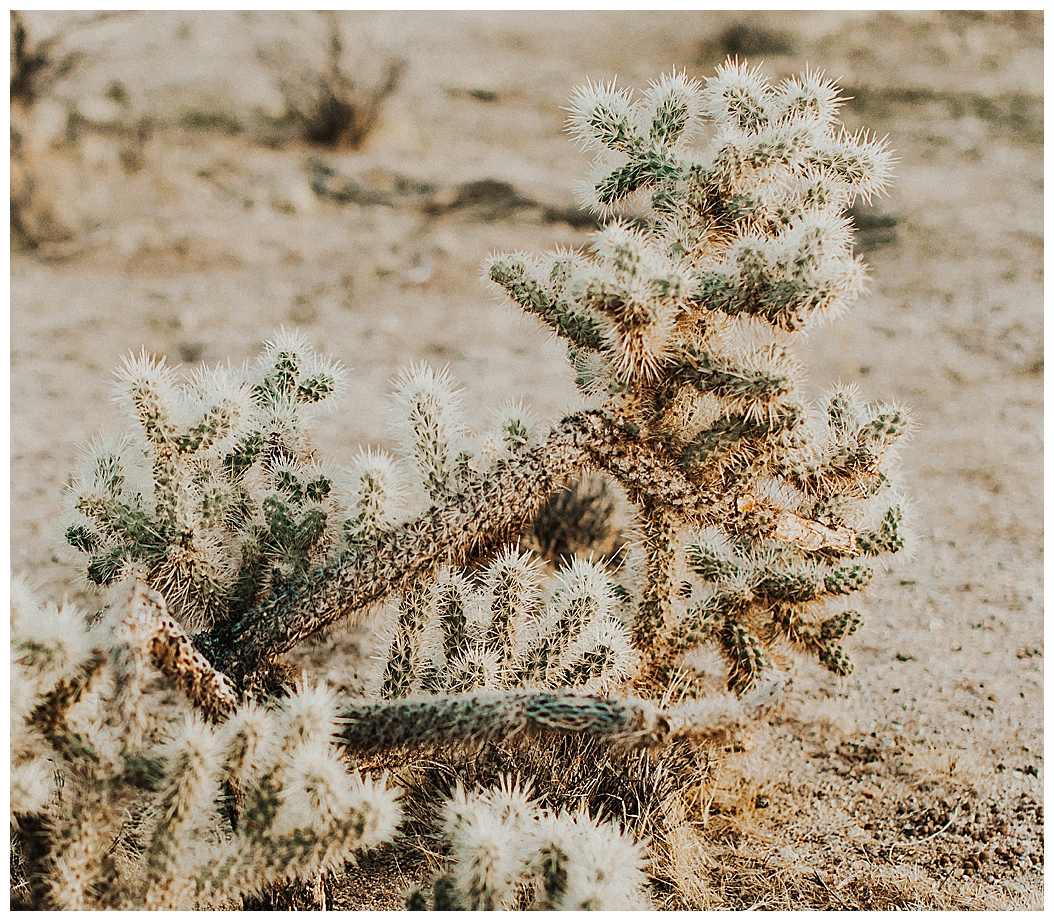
(173, 653)
(655, 612)
(49, 716)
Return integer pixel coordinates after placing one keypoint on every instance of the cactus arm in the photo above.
(453, 531)
(173, 653)
(497, 716)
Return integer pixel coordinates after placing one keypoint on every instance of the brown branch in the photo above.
(174, 654)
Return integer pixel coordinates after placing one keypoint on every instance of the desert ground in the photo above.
(187, 219)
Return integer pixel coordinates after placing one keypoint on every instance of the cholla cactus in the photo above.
(753, 510)
(681, 328)
(679, 324)
(507, 852)
(93, 742)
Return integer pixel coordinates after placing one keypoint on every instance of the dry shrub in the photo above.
(36, 68)
(581, 519)
(51, 200)
(332, 99)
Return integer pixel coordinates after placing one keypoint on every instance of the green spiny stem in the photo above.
(700, 621)
(730, 431)
(283, 381)
(403, 661)
(785, 303)
(844, 580)
(747, 656)
(592, 664)
(316, 388)
(578, 327)
(483, 717)
(238, 461)
(104, 568)
(834, 658)
(791, 585)
(117, 520)
(709, 564)
(708, 373)
(887, 538)
(646, 167)
(493, 716)
(450, 606)
(534, 668)
(822, 637)
(840, 626)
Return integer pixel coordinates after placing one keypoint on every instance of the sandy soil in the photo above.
(915, 782)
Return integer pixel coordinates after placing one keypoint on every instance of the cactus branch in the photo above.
(174, 655)
(481, 517)
(499, 716)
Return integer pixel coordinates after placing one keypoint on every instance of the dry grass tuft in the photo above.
(334, 103)
(655, 796)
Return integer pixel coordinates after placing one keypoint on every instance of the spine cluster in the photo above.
(507, 852)
(461, 634)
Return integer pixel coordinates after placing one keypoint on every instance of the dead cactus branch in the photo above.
(174, 654)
